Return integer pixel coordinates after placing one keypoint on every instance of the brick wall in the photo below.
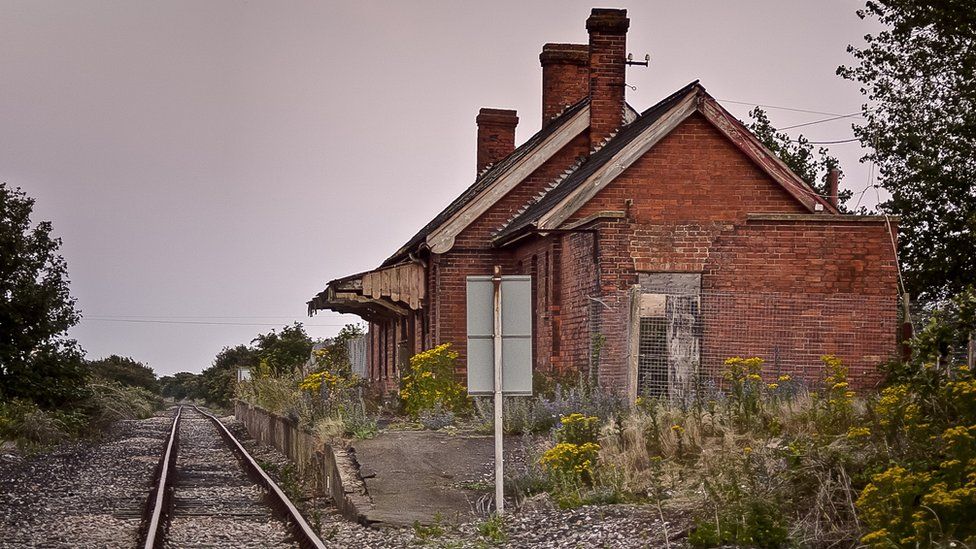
(687, 203)
(690, 197)
(473, 254)
(836, 282)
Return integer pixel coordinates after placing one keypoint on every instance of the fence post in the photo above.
(633, 344)
(906, 328)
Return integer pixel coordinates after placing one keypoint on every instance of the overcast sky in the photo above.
(211, 165)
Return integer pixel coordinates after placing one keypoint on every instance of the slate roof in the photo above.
(534, 211)
(485, 179)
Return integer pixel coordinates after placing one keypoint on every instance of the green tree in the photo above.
(38, 361)
(126, 371)
(182, 386)
(334, 356)
(220, 379)
(284, 352)
(799, 155)
(919, 77)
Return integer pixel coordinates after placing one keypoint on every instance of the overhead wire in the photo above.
(827, 142)
(200, 323)
(793, 109)
(822, 120)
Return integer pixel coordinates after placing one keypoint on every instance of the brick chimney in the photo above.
(608, 53)
(833, 178)
(565, 77)
(496, 135)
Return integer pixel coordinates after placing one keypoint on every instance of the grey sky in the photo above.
(220, 161)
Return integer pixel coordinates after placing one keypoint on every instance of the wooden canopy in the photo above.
(375, 295)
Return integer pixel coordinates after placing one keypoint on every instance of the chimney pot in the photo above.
(496, 135)
(833, 179)
(565, 77)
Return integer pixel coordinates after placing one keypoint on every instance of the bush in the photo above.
(110, 402)
(430, 384)
(32, 428)
(540, 413)
(571, 463)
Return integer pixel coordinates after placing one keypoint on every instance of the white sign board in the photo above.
(516, 312)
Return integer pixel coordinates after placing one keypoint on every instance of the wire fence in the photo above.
(677, 341)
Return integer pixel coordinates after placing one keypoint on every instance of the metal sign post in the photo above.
(499, 324)
(496, 282)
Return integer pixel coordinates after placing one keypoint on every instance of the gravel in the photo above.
(82, 494)
(537, 524)
(91, 495)
(215, 503)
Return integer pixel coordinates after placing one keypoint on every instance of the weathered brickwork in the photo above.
(565, 77)
(693, 204)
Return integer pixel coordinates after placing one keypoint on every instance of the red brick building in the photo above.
(659, 243)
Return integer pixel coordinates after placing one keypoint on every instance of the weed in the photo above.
(432, 531)
(493, 529)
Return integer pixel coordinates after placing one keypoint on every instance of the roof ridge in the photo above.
(542, 194)
(600, 154)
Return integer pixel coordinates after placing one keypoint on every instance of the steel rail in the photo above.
(156, 524)
(304, 533)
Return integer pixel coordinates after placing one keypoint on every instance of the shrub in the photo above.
(541, 412)
(110, 401)
(835, 401)
(929, 494)
(578, 429)
(275, 393)
(493, 529)
(32, 428)
(745, 387)
(573, 460)
(430, 383)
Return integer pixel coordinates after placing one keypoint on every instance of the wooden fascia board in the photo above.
(442, 238)
(367, 301)
(620, 162)
(607, 214)
(763, 157)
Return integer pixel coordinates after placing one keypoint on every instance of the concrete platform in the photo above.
(414, 475)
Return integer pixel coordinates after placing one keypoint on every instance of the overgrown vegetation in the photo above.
(768, 462)
(48, 392)
(429, 387)
(329, 399)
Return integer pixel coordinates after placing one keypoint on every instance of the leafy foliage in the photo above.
(38, 361)
(182, 386)
(328, 400)
(573, 459)
(924, 425)
(918, 76)
(220, 379)
(430, 383)
(812, 167)
(286, 351)
(126, 371)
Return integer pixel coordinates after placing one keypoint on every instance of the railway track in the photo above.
(210, 492)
